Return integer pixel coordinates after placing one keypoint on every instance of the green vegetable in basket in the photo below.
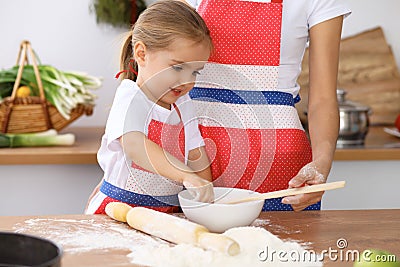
(47, 138)
(64, 90)
(5, 89)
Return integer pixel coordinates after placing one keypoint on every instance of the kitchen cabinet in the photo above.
(371, 171)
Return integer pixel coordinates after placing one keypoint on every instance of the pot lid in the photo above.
(346, 105)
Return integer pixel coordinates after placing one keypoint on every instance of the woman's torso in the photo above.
(298, 16)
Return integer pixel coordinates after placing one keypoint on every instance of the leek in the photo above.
(46, 138)
(64, 90)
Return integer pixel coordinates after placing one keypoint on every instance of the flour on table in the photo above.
(265, 223)
(257, 244)
(76, 236)
(261, 222)
(304, 244)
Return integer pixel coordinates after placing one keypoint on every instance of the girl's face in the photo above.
(166, 75)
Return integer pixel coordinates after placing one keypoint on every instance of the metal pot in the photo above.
(354, 121)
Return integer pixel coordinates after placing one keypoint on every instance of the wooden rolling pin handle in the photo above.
(290, 192)
(171, 228)
(118, 210)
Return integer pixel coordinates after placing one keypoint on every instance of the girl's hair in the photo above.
(161, 24)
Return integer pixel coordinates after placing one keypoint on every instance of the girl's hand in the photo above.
(95, 191)
(202, 190)
(308, 175)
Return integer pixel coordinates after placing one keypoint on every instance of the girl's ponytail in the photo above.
(157, 27)
(126, 59)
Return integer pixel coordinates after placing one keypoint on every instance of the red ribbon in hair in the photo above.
(131, 69)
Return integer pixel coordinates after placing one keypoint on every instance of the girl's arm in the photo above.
(323, 113)
(199, 162)
(152, 157)
(94, 192)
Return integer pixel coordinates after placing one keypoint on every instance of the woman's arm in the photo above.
(323, 118)
(152, 157)
(323, 114)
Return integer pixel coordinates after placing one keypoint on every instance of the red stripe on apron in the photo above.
(266, 158)
(243, 32)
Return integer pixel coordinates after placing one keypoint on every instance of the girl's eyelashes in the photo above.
(180, 68)
(177, 67)
(196, 72)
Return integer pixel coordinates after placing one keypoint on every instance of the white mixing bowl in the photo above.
(220, 217)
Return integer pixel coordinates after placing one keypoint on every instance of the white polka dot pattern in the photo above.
(238, 77)
(147, 183)
(218, 114)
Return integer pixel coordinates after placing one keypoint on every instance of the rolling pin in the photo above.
(171, 228)
(289, 192)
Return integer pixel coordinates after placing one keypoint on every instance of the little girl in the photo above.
(152, 147)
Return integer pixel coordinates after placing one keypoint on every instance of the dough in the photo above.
(256, 244)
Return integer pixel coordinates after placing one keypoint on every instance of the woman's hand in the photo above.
(201, 189)
(308, 175)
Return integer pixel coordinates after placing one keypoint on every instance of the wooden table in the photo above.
(362, 229)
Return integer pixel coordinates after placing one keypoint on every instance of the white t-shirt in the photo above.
(133, 111)
(297, 19)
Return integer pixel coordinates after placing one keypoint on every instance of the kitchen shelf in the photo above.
(84, 151)
(378, 146)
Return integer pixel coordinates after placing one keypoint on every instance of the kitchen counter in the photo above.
(378, 146)
(319, 230)
(87, 142)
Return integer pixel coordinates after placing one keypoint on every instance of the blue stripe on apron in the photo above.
(138, 199)
(275, 204)
(243, 97)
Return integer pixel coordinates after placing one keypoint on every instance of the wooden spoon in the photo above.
(289, 192)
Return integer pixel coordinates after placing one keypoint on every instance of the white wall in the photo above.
(368, 14)
(66, 35)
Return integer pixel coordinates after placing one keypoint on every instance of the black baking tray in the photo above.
(17, 250)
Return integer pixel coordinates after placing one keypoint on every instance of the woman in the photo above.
(246, 94)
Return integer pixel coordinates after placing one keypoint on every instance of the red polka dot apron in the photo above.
(252, 131)
(144, 188)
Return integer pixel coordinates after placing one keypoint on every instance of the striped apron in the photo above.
(147, 189)
(252, 131)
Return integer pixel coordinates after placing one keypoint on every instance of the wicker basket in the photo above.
(33, 113)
